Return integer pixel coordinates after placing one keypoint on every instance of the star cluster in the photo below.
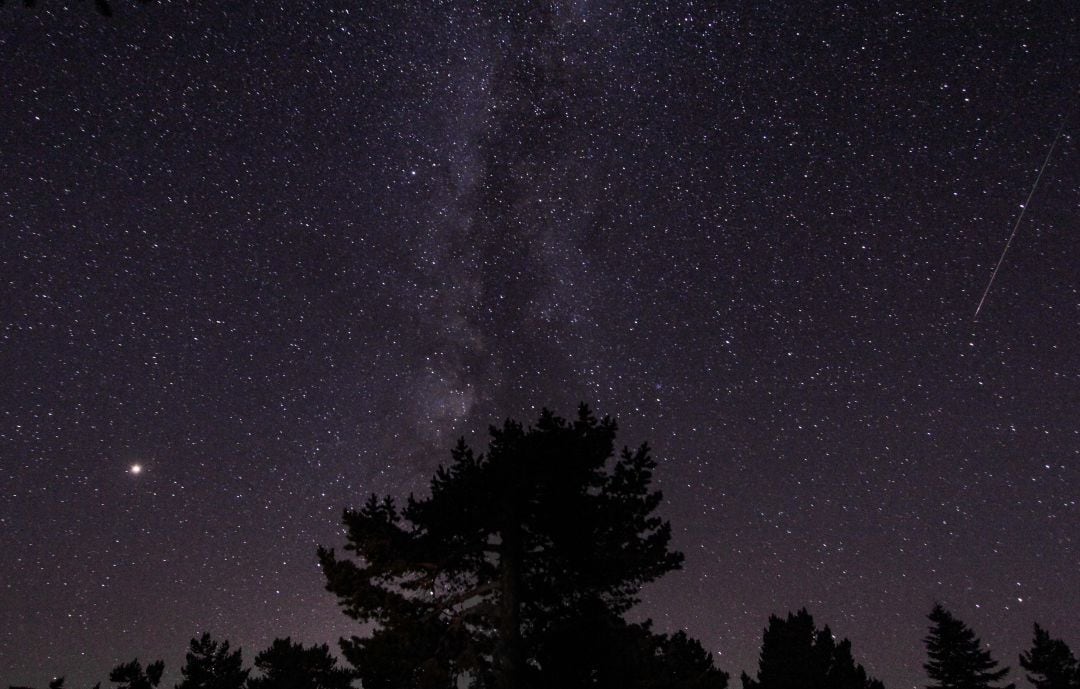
(260, 261)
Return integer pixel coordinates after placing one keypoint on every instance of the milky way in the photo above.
(282, 257)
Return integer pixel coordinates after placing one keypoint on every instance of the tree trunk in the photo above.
(510, 657)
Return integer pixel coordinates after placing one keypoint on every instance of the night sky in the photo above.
(283, 256)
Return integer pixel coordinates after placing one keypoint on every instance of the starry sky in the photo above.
(282, 255)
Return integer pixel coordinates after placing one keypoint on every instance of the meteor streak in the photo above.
(1023, 209)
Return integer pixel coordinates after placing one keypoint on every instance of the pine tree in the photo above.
(545, 532)
(956, 657)
(288, 665)
(210, 665)
(795, 655)
(603, 651)
(1050, 663)
(133, 676)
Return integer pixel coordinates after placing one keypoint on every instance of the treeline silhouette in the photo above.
(515, 572)
(210, 664)
(794, 655)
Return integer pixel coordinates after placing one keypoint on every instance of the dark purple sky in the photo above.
(282, 256)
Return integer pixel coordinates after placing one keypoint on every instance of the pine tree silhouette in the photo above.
(795, 655)
(288, 665)
(1050, 663)
(133, 676)
(514, 551)
(210, 665)
(956, 657)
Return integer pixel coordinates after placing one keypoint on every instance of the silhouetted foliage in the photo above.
(210, 665)
(1050, 663)
(133, 676)
(795, 655)
(604, 651)
(543, 535)
(956, 657)
(288, 665)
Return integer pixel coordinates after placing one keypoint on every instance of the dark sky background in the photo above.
(282, 256)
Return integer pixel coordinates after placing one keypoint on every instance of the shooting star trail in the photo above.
(1023, 209)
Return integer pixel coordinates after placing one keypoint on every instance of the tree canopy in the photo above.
(956, 659)
(795, 655)
(1050, 663)
(289, 665)
(210, 665)
(133, 676)
(479, 582)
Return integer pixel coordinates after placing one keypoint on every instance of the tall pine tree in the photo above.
(795, 655)
(515, 550)
(1050, 663)
(956, 659)
(210, 665)
(288, 665)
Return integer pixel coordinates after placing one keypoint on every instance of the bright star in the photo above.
(136, 469)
